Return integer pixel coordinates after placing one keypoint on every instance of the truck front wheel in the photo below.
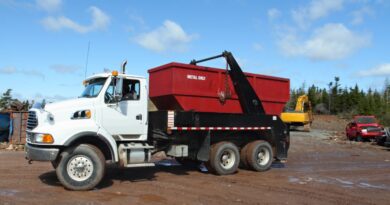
(81, 167)
(224, 158)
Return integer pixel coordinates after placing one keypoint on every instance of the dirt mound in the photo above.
(329, 123)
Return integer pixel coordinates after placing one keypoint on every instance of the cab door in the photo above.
(125, 116)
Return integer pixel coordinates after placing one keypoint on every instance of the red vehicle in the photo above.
(364, 128)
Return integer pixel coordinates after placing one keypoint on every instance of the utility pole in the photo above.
(387, 92)
(86, 60)
(330, 95)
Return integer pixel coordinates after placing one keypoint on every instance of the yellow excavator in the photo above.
(301, 116)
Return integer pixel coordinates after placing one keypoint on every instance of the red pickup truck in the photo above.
(364, 128)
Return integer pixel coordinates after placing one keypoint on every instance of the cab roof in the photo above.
(106, 75)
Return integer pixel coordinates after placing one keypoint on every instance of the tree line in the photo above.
(346, 101)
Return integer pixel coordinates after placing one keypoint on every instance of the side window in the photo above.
(131, 90)
(109, 95)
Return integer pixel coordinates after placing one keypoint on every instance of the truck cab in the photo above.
(124, 111)
(112, 108)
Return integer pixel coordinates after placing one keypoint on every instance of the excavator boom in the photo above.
(301, 101)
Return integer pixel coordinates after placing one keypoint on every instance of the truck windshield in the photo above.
(93, 87)
(366, 120)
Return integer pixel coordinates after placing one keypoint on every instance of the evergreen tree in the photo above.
(6, 99)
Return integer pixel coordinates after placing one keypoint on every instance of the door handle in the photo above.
(112, 105)
(138, 117)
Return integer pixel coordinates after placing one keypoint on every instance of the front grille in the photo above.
(32, 121)
(372, 129)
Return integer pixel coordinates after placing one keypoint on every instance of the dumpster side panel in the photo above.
(177, 86)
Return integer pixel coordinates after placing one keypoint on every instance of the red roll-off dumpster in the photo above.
(177, 86)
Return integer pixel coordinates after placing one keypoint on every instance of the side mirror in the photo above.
(118, 89)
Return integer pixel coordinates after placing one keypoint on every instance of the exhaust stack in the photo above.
(124, 66)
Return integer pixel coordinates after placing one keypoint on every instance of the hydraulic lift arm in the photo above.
(249, 101)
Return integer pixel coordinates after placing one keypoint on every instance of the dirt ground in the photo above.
(322, 168)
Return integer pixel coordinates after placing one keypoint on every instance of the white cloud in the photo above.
(8, 70)
(273, 14)
(100, 21)
(330, 42)
(381, 70)
(49, 5)
(316, 10)
(169, 36)
(64, 69)
(13, 70)
(359, 15)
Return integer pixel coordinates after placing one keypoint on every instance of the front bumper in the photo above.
(371, 135)
(41, 154)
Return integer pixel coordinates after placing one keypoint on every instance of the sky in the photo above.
(44, 43)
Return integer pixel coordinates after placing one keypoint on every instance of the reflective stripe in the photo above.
(220, 128)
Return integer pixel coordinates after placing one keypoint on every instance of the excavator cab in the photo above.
(301, 116)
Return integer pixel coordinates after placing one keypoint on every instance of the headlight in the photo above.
(43, 138)
(82, 114)
(364, 131)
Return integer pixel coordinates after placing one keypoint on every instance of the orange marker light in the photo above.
(114, 73)
(47, 138)
(88, 114)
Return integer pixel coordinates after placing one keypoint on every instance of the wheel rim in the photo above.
(227, 160)
(79, 168)
(263, 156)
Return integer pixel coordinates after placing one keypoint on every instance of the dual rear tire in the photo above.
(257, 155)
(225, 157)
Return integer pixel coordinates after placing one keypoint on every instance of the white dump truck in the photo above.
(110, 122)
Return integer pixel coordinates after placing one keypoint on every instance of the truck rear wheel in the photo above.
(243, 157)
(81, 167)
(224, 158)
(259, 155)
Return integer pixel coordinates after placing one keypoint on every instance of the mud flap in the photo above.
(204, 151)
(283, 144)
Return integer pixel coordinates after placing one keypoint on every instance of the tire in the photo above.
(381, 140)
(259, 155)
(224, 158)
(91, 163)
(359, 138)
(243, 157)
